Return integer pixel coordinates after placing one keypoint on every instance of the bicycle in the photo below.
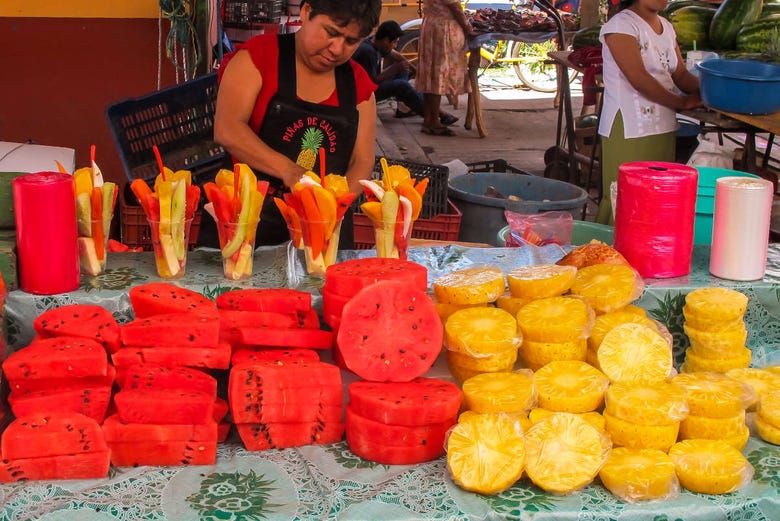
(529, 61)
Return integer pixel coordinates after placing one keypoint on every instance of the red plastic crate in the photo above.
(135, 229)
(441, 227)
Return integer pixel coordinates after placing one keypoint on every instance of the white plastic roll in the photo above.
(740, 228)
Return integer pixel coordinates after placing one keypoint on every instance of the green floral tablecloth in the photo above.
(329, 482)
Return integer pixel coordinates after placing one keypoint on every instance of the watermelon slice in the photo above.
(333, 304)
(159, 298)
(278, 300)
(59, 357)
(44, 384)
(295, 338)
(230, 320)
(221, 408)
(348, 277)
(172, 453)
(168, 377)
(267, 375)
(368, 449)
(397, 435)
(89, 465)
(251, 354)
(80, 320)
(164, 406)
(75, 398)
(42, 435)
(287, 412)
(259, 436)
(207, 357)
(423, 401)
(223, 430)
(114, 430)
(172, 329)
(390, 331)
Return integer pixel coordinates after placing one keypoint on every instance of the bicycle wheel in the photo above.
(531, 69)
(409, 47)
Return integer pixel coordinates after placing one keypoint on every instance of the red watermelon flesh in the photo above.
(259, 436)
(89, 401)
(44, 384)
(267, 376)
(59, 357)
(391, 332)
(223, 430)
(278, 300)
(289, 412)
(423, 401)
(294, 338)
(114, 429)
(80, 320)
(367, 449)
(164, 406)
(251, 354)
(254, 402)
(173, 453)
(168, 377)
(221, 409)
(397, 435)
(88, 465)
(230, 320)
(51, 435)
(348, 277)
(160, 298)
(333, 321)
(206, 357)
(173, 329)
(333, 304)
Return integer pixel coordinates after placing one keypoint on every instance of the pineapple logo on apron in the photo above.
(315, 133)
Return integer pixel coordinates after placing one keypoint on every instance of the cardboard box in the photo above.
(8, 259)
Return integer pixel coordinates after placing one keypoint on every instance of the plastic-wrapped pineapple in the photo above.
(710, 344)
(537, 414)
(445, 309)
(604, 323)
(540, 280)
(760, 380)
(640, 436)
(510, 303)
(698, 364)
(608, 287)
(731, 429)
(635, 353)
(714, 309)
(570, 386)
(486, 452)
(767, 421)
(480, 339)
(564, 453)
(647, 404)
(520, 419)
(555, 319)
(470, 286)
(710, 466)
(640, 474)
(500, 392)
(535, 355)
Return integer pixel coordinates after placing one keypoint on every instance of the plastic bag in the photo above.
(709, 153)
(539, 229)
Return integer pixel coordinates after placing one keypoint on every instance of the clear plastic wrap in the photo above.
(710, 466)
(640, 436)
(477, 285)
(635, 353)
(608, 287)
(481, 332)
(500, 392)
(556, 319)
(570, 386)
(647, 404)
(535, 355)
(540, 280)
(539, 229)
(715, 395)
(635, 475)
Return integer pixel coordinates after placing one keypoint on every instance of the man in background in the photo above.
(392, 81)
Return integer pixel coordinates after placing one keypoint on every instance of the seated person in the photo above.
(392, 81)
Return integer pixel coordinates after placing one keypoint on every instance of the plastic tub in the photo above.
(582, 232)
(483, 216)
(740, 86)
(705, 200)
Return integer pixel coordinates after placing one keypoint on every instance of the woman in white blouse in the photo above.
(645, 83)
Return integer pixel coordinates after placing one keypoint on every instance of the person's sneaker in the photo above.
(401, 114)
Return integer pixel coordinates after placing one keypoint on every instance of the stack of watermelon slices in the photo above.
(56, 446)
(58, 375)
(278, 397)
(390, 334)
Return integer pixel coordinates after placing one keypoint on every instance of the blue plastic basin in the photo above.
(740, 86)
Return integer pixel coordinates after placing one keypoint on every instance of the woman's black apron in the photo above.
(288, 119)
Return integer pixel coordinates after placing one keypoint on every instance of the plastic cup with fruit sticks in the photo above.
(169, 244)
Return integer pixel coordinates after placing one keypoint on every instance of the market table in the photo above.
(329, 482)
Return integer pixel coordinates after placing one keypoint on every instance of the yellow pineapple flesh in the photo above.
(604, 323)
(725, 343)
(481, 331)
(639, 474)
(500, 392)
(555, 319)
(714, 306)
(537, 414)
(760, 380)
(710, 466)
(511, 304)
(486, 453)
(640, 436)
(570, 386)
(564, 453)
(715, 395)
(712, 428)
(502, 361)
(607, 287)
(445, 309)
(470, 286)
(540, 280)
(769, 408)
(536, 355)
(695, 363)
(647, 404)
(633, 353)
(766, 431)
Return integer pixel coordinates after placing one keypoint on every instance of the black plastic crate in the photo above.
(435, 198)
(179, 120)
(494, 165)
(244, 13)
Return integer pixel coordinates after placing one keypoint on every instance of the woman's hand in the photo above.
(691, 101)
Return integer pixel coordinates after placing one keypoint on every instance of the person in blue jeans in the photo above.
(393, 80)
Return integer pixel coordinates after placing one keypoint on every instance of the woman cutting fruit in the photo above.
(283, 98)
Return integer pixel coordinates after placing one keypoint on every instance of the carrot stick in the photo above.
(322, 166)
(160, 164)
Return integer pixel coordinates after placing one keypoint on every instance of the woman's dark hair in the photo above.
(624, 4)
(343, 12)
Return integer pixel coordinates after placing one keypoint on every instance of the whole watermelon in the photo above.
(729, 18)
(759, 36)
(692, 25)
